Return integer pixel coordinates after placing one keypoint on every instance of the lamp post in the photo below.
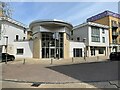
(6, 48)
(84, 40)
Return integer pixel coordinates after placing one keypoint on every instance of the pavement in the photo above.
(9, 84)
(60, 74)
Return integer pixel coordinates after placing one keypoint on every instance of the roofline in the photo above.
(103, 14)
(91, 24)
(13, 21)
(42, 22)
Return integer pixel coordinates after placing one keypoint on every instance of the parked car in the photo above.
(9, 57)
(115, 56)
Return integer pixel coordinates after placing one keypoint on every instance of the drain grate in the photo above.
(36, 84)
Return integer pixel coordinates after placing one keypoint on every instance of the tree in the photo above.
(6, 9)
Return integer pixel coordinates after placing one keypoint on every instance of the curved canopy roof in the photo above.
(50, 23)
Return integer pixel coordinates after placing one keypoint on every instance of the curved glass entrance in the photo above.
(52, 45)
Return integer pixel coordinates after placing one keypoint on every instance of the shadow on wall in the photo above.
(89, 72)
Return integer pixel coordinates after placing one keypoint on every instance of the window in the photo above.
(20, 51)
(101, 51)
(78, 38)
(77, 52)
(24, 30)
(17, 37)
(103, 30)
(113, 23)
(103, 39)
(95, 34)
(95, 39)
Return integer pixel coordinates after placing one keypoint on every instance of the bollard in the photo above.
(72, 59)
(24, 61)
(51, 61)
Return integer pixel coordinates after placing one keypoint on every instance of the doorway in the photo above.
(52, 52)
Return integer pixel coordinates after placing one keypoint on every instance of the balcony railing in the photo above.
(114, 25)
(21, 40)
(114, 41)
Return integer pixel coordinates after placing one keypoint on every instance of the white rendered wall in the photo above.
(11, 30)
(28, 49)
(79, 45)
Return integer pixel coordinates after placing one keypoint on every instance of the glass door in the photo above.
(52, 52)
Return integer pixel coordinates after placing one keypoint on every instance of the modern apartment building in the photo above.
(113, 21)
(96, 35)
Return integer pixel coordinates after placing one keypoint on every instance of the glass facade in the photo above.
(52, 45)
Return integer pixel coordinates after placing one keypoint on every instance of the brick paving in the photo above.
(34, 73)
(38, 71)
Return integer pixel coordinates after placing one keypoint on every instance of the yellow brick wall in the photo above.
(66, 47)
(29, 35)
(36, 48)
(107, 21)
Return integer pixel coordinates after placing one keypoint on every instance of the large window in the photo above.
(95, 34)
(77, 52)
(52, 45)
(20, 51)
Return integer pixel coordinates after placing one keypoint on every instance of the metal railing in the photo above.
(114, 41)
(115, 33)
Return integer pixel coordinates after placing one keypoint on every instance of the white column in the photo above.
(106, 51)
(89, 54)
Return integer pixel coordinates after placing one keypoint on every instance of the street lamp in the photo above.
(6, 45)
(84, 40)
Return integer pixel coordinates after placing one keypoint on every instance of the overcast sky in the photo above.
(73, 12)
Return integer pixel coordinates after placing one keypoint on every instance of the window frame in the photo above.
(20, 52)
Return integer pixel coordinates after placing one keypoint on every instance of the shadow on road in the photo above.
(89, 72)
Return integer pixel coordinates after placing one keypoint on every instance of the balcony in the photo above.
(114, 41)
(114, 25)
(21, 40)
(115, 34)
